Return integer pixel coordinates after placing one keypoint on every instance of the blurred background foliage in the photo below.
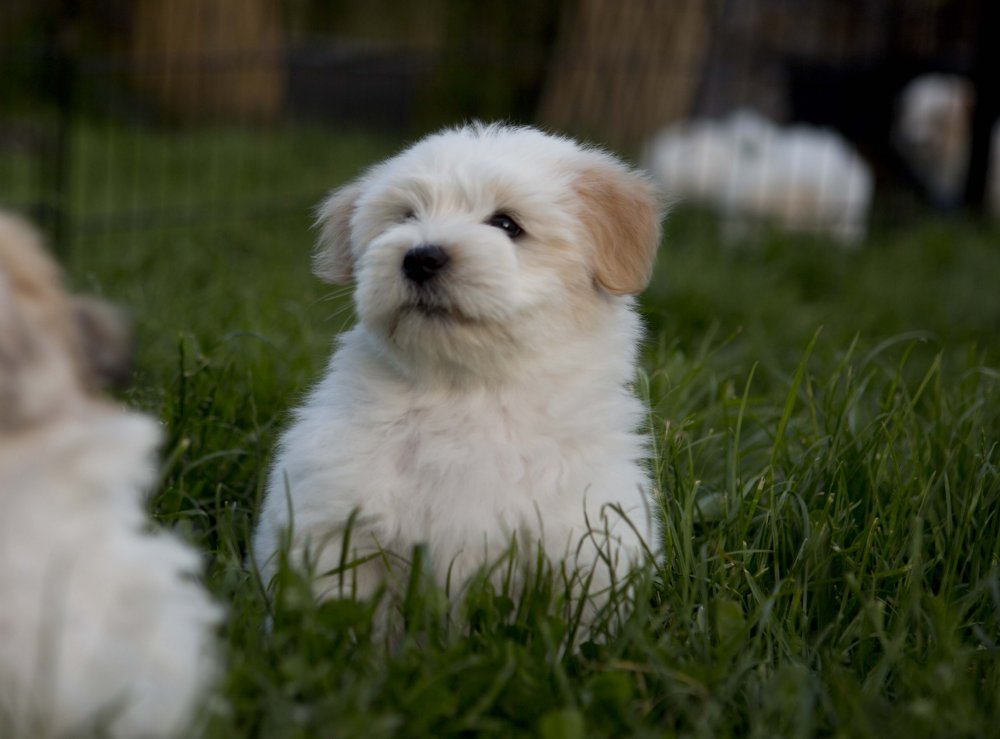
(610, 71)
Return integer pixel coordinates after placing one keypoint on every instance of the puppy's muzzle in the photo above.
(423, 262)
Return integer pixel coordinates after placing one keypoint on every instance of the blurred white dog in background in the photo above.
(800, 178)
(102, 625)
(485, 394)
(933, 132)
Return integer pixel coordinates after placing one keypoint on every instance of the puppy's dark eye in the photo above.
(506, 224)
(408, 215)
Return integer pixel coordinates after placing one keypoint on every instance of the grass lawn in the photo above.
(827, 426)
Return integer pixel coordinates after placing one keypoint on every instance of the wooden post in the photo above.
(210, 59)
(624, 68)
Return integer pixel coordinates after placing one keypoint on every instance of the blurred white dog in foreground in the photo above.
(484, 395)
(799, 178)
(102, 626)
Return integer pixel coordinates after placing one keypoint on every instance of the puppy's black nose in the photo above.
(422, 262)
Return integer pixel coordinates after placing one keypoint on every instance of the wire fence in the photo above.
(163, 113)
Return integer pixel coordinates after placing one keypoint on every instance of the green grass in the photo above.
(827, 426)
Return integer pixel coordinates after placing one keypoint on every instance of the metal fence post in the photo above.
(59, 74)
(987, 106)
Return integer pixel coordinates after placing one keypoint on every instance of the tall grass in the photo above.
(826, 425)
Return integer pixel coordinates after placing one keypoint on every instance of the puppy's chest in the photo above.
(485, 448)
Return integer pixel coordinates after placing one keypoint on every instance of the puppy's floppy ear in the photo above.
(104, 341)
(333, 259)
(621, 211)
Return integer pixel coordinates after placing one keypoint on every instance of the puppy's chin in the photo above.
(427, 308)
(438, 344)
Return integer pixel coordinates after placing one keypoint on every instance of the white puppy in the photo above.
(484, 395)
(800, 178)
(933, 131)
(101, 626)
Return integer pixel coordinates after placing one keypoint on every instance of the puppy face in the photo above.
(479, 249)
(54, 348)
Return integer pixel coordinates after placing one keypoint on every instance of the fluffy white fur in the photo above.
(800, 178)
(493, 402)
(102, 626)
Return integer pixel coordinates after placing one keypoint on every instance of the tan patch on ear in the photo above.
(333, 260)
(41, 359)
(621, 213)
(35, 280)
